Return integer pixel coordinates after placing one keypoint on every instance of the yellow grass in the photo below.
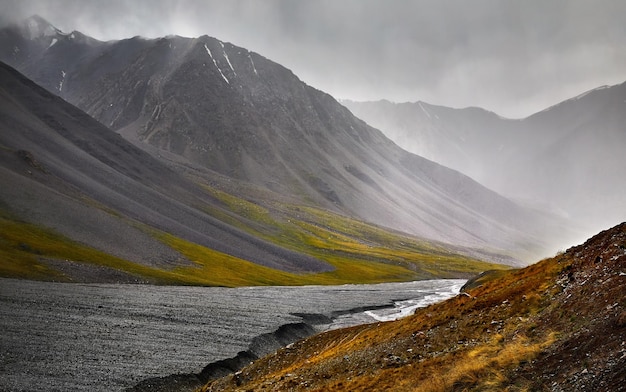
(483, 368)
(358, 252)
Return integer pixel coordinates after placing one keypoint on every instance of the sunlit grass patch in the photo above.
(333, 238)
(359, 252)
(23, 246)
(216, 268)
(484, 368)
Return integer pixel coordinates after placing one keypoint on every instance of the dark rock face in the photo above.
(249, 119)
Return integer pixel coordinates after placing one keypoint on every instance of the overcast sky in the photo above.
(512, 57)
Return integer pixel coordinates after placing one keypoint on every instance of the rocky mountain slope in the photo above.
(561, 158)
(63, 169)
(557, 325)
(469, 140)
(212, 105)
(78, 202)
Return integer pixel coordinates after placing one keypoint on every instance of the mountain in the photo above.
(233, 114)
(462, 139)
(63, 169)
(568, 158)
(580, 157)
(80, 203)
(544, 327)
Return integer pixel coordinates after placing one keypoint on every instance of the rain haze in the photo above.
(513, 58)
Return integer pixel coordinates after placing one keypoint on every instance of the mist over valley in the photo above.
(192, 161)
(565, 159)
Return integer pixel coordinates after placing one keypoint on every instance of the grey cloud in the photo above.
(510, 57)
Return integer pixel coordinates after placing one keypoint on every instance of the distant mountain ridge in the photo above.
(80, 203)
(452, 137)
(234, 112)
(568, 157)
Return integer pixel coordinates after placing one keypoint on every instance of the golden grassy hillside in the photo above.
(558, 325)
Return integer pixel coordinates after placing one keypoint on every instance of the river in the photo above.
(107, 337)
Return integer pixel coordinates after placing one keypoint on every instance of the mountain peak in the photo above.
(36, 27)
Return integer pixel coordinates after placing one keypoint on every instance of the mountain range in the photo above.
(198, 123)
(193, 161)
(61, 163)
(567, 158)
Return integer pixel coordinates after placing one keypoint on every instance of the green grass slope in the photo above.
(358, 252)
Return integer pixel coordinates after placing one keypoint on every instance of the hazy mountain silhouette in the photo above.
(568, 158)
(214, 105)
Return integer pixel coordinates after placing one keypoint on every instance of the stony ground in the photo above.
(590, 310)
(103, 337)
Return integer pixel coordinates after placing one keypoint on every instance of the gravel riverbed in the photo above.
(108, 337)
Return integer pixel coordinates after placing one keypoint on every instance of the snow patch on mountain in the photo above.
(215, 63)
(62, 80)
(253, 66)
(424, 110)
(227, 59)
(423, 298)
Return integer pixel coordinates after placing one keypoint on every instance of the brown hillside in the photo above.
(558, 325)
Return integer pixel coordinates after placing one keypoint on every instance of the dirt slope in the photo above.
(557, 325)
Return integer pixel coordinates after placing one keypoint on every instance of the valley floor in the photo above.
(104, 337)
